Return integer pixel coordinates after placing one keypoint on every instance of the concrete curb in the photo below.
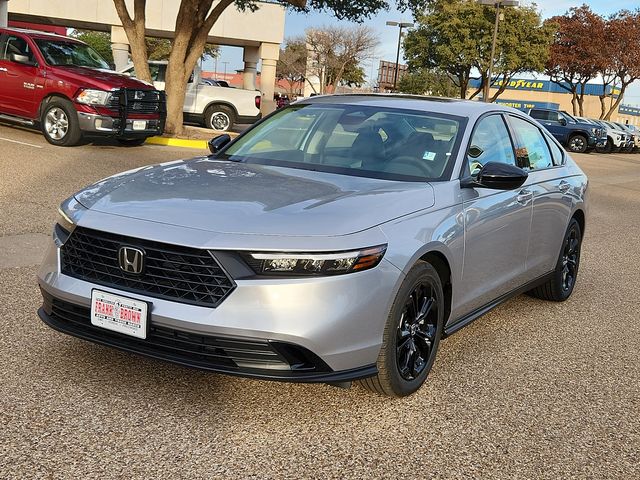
(178, 142)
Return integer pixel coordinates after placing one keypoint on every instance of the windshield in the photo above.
(570, 117)
(66, 52)
(354, 140)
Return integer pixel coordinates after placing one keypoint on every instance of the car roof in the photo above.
(449, 106)
(39, 33)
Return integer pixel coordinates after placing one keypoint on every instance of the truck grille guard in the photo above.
(131, 100)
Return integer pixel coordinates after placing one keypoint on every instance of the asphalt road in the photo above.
(531, 390)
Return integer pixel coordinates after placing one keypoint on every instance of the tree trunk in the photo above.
(603, 107)
(574, 102)
(618, 101)
(135, 30)
(464, 86)
(505, 81)
(191, 31)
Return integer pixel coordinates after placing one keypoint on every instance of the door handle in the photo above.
(2, 69)
(564, 186)
(524, 196)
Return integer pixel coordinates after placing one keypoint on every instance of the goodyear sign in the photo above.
(627, 110)
(549, 86)
(520, 84)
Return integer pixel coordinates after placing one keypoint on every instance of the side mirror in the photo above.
(497, 176)
(563, 121)
(23, 59)
(218, 143)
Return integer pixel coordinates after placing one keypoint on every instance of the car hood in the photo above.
(98, 78)
(230, 197)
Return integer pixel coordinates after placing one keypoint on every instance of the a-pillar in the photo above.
(119, 47)
(269, 53)
(4, 13)
(251, 57)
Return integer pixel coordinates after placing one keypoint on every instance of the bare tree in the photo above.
(338, 50)
(292, 65)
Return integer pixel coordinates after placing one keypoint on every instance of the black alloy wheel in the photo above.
(570, 259)
(416, 331)
(411, 335)
(561, 283)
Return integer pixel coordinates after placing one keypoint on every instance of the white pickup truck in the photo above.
(219, 108)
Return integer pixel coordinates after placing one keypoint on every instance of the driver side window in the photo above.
(490, 143)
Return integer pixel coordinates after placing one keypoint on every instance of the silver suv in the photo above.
(340, 239)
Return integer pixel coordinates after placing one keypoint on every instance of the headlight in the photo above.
(93, 97)
(65, 221)
(305, 264)
(595, 131)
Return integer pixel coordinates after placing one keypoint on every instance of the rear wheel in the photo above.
(411, 335)
(560, 286)
(219, 117)
(59, 123)
(578, 143)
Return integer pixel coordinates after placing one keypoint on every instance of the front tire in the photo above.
(561, 285)
(578, 144)
(219, 117)
(59, 123)
(411, 335)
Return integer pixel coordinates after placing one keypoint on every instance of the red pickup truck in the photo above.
(64, 86)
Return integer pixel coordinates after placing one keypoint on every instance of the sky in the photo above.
(297, 23)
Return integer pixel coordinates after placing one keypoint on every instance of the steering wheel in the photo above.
(419, 167)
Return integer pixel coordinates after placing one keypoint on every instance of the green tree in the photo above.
(195, 19)
(455, 37)
(428, 82)
(99, 41)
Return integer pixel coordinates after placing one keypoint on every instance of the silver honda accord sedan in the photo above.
(340, 239)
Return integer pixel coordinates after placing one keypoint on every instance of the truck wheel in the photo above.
(578, 143)
(219, 117)
(132, 142)
(60, 124)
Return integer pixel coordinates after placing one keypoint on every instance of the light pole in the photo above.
(225, 70)
(498, 4)
(400, 26)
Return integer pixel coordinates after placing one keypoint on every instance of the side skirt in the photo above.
(470, 317)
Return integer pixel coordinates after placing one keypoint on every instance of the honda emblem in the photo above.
(131, 260)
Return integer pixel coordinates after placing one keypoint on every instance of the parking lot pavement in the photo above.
(531, 390)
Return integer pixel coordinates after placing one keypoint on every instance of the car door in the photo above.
(556, 124)
(17, 95)
(496, 222)
(552, 189)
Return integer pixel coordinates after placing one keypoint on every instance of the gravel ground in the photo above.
(531, 390)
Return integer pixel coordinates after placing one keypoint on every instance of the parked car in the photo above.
(633, 145)
(616, 137)
(575, 136)
(340, 239)
(214, 106)
(64, 86)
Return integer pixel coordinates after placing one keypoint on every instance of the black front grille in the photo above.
(137, 101)
(242, 356)
(205, 351)
(182, 274)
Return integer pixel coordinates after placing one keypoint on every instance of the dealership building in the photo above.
(525, 93)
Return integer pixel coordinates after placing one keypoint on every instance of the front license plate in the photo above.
(119, 314)
(139, 125)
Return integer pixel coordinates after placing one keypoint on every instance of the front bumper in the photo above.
(325, 329)
(104, 125)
